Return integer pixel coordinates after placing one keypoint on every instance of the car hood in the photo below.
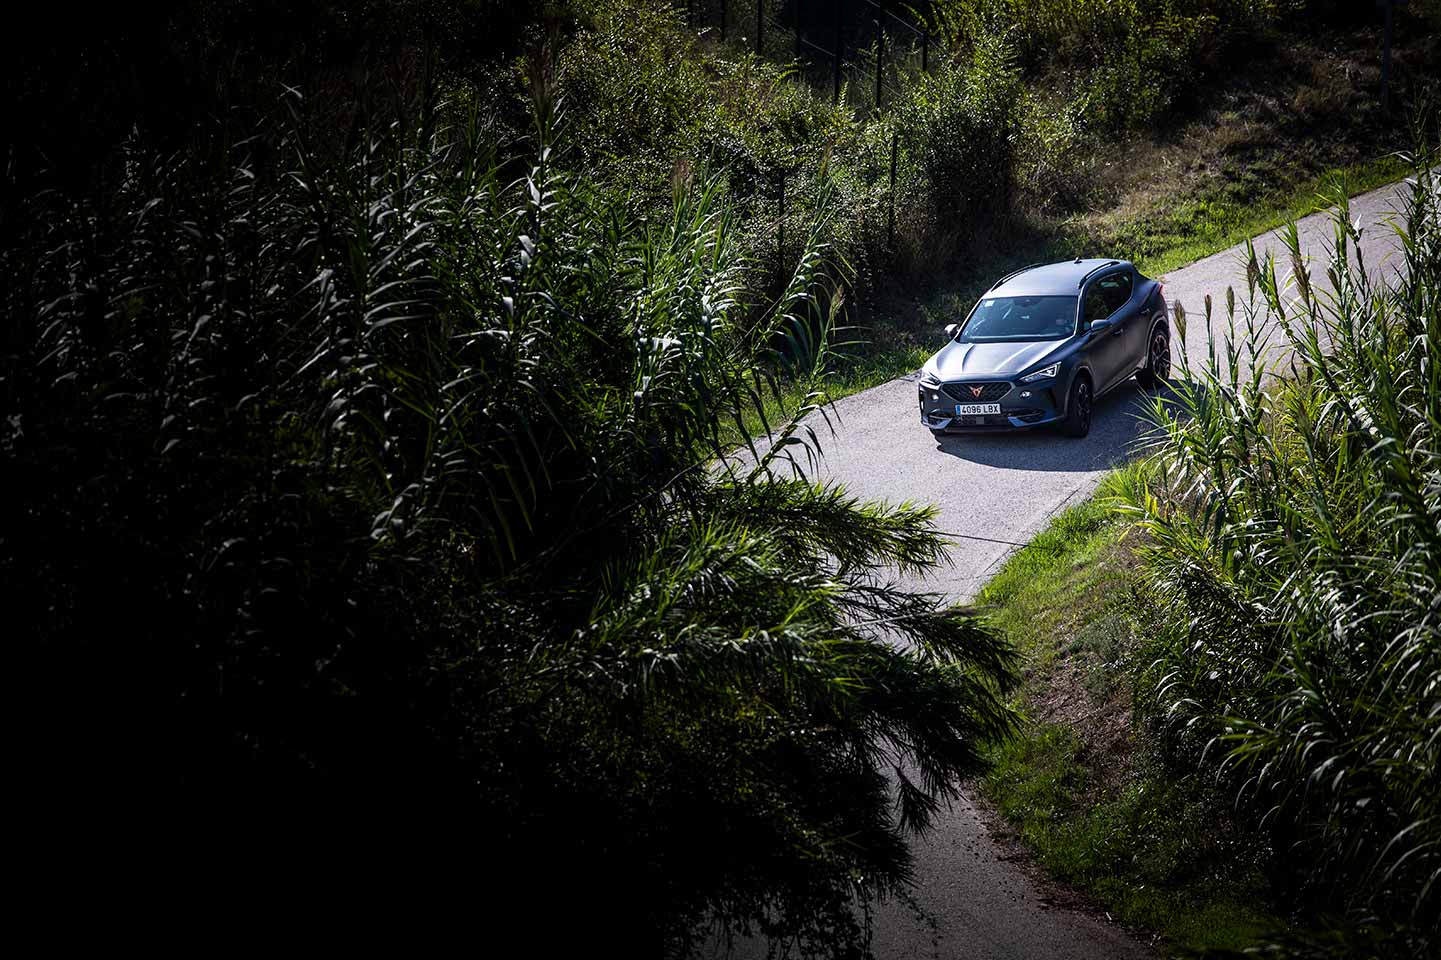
(955, 360)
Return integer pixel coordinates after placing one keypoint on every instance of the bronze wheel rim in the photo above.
(1160, 357)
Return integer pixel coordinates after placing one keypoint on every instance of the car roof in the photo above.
(1052, 279)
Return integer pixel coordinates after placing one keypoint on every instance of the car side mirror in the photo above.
(951, 329)
(1099, 324)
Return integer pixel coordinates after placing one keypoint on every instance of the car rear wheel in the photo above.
(1078, 409)
(1158, 360)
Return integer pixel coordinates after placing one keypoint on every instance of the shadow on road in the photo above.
(1115, 429)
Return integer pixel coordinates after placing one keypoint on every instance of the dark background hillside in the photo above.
(79, 84)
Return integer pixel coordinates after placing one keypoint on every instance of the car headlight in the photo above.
(930, 380)
(1045, 373)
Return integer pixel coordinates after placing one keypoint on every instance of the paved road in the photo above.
(994, 493)
(1378, 249)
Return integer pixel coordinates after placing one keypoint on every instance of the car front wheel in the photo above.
(1078, 409)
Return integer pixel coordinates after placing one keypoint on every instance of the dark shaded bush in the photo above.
(375, 527)
(1130, 62)
(960, 129)
(76, 86)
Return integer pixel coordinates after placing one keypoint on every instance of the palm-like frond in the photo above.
(423, 479)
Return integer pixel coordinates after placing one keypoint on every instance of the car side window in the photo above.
(1095, 305)
(1107, 295)
(1116, 288)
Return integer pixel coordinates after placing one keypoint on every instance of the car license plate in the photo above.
(976, 409)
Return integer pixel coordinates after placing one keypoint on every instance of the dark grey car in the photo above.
(1043, 344)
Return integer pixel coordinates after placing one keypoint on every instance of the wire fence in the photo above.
(862, 52)
(859, 50)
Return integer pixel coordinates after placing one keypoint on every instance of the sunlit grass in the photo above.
(1149, 851)
(1199, 227)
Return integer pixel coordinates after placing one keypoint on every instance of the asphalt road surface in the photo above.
(993, 494)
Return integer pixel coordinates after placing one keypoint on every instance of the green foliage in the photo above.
(1295, 648)
(1151, 849)
(996, 150)
(957, 130)
(1150, 841)
(412, 486)
(1128, 61)
(649, 108)
(633, 105)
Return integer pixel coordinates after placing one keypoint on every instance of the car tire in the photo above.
(1077, 422)
(1158, 360)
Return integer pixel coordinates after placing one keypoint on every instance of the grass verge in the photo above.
(1199, 226)
(1079, 784)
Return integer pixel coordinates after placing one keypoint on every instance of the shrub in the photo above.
(1295, 569)
(374, 523)
(1130, 60)
(957, 133)
(958, 130)
(646, 105)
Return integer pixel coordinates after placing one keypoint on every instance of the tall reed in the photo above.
(1295, 565)
(375, 513)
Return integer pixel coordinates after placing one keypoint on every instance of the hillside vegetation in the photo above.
(1044, 129)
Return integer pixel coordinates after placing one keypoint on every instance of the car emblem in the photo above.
(976, 391)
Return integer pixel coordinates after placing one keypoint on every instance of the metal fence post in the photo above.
(880, 60)
(1386, 59)
(1389, 6)
(891, 224)
(781, 231)
(836, 95)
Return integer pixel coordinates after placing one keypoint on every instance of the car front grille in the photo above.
(965, 392)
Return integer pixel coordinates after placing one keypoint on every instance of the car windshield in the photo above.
(998, 319)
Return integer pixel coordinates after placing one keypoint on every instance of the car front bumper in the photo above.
(1022, 406)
